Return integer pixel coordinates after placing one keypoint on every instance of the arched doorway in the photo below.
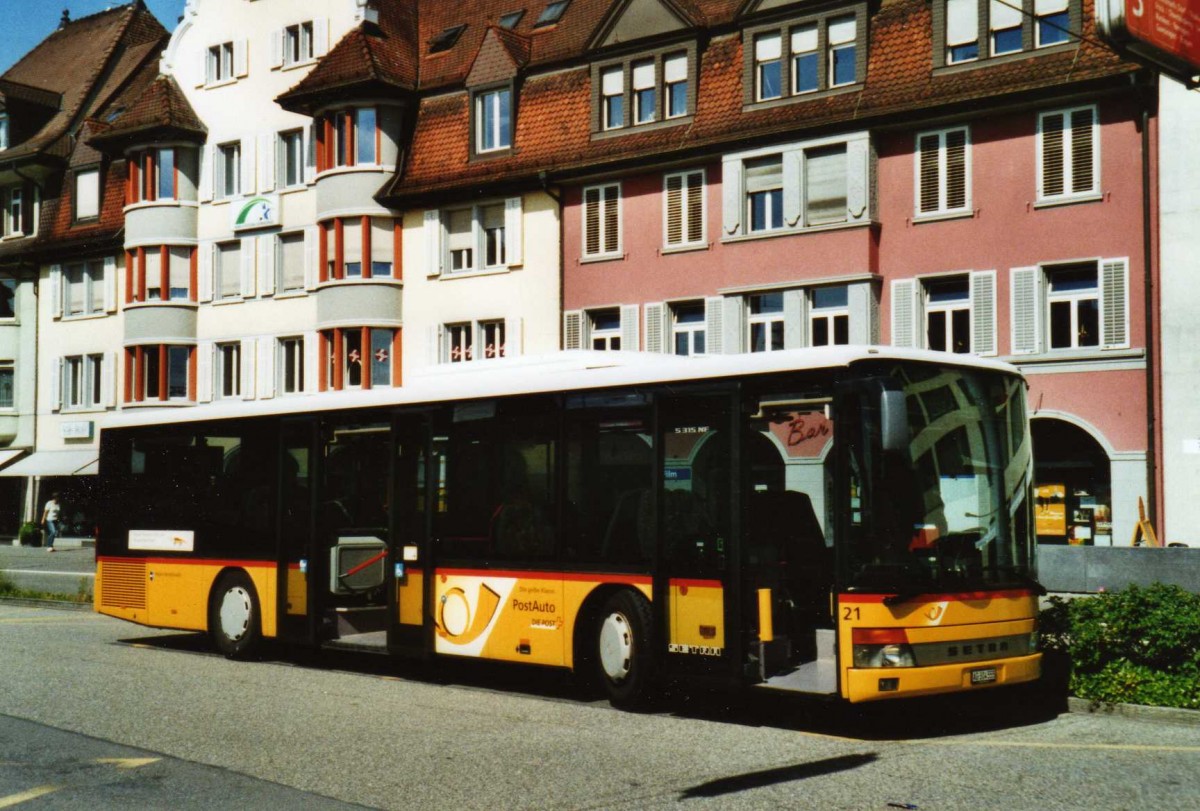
(1073, 480)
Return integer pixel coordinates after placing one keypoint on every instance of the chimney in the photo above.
(66, 18)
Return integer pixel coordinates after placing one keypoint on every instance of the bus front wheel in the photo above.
(234, 616)
(622, 649)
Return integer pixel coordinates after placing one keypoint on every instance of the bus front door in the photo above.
(295, 527)
(413, 493)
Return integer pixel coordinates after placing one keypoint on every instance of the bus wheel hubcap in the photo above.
(616, 647)
(235, 613)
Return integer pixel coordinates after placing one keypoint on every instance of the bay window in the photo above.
(358, 248)
(160, 372)
(358, 357)
(160, 273)
(348, 138)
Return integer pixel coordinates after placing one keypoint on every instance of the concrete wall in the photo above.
(1091, 569)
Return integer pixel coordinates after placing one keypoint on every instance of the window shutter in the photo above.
(734, 338)
(1083, 151)
(513, 238)
(858, 172)
(204, 370)
(266, 367)
(630, 337)
(591, 221)
(246, 170)
(241, 60)
(904, 327)
(206, 173)
(110, 284)
(695, 208)
(1026, 303)
(247, 251)
(56, 378)
(249, 354)
(202, 73)
(793, 204)
(312, 243)
(1050, 163)
(56, 296)
(204, 271)
(268, 153)
(860, 301)
(108, 379)
(731, 196)
(673, 216)
(266, 264)
(957, 196)
(433, 343)
(433, 243)
(312, 361)
(928, 173)
(657, 328)
(320, 36)
(277, 48)
(793, 319)
(1114, 313)
(983, 312)
(714, 329)
(612, 219)
(573, 329)
(310, 152)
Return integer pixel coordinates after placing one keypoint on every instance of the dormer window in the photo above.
(613, 92)
(493, 120)
(766, 66)
(643, 90)
(1005, 22)
(842, 46)
(3, 131)
(969, 31)
(509, 21)
(675, 76)
(446, 39)
(644, 100)
(552, 13)
(795, 58)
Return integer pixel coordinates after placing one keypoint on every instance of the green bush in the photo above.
(1139, 645)
(30, 534)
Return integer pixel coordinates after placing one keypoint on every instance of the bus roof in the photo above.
(574, 370)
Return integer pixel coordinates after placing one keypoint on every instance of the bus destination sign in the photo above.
(1165, 33)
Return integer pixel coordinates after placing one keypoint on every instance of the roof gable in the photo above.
(756, 6)
(631, 20)
(500, 56)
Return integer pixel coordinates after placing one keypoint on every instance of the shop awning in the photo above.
(54, 463)
(9, 455)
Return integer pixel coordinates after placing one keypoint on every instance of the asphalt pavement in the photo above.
(66, 570)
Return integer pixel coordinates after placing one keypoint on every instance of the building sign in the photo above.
(1165, 33)
(1050, 514)
(259, 211)
(76, 429)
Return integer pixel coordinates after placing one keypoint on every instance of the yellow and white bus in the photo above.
(846, 521)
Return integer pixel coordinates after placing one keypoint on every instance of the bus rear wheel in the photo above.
(622, 650)
(234, 618)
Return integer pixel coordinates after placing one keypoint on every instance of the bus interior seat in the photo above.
(629, 534)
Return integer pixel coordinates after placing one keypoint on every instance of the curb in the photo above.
(61, 605)
(1166, 715)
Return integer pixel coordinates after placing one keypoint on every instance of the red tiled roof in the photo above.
(161, 108)
(553, 127)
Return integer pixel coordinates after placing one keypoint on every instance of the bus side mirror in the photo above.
(893, 421)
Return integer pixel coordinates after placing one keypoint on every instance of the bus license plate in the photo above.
(983, 675)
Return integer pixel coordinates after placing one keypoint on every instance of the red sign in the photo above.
(1170, 25)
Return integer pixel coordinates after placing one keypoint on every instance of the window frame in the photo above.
(76, 197)
(1068, 194)
(223, 352)
(656, 60)
(8, 368)
(85, 393)
(942, 210)
(331, 249)
(685, 204)
(300, 35)
(827, 313)
(4, 130)
(91, 283)
(228, 159)
(285, 153)
(689, 330)
(784, 28)
(137, 283)
(220, 64)
(984, 43)
(143, 358)
(605, 335)
(768, 320)
(289, 349)
(947, 309)
(339, 134)
(504, 95)
(143, 175)
(602, 253)
(1073, 299)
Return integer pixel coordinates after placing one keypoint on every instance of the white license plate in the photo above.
(983, 675)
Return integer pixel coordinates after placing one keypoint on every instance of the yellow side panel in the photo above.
(575, 591)
(265, 579)
(177, 594)
(515, 619)
(697, 619)
(410, 592)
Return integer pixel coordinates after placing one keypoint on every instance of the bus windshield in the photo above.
(947, 506)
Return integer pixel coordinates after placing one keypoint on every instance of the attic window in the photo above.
(114, 114)
(552, 13)
(445, 40)
(509, 21)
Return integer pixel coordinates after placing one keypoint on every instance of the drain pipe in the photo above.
(1151, 355)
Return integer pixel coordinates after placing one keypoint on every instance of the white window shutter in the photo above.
(267, 154)
(266, 264)
(858, 172)
(266, 367)
(110, 284)
(904, 320)
(249, 355)
(247, 255)
(204, 271)
(657, 327)
(733, 319)
(794, 332)
(513, 238)
(312, 244)
(241, 58)
(276, 48)
(108, 379)
(630, 333)
(983, 312)
(320, 36)
(207, 156)
(714, 330)
(731, 197)
(433, 345)
(514, 337)
(312, 361)
(56, 296)
(246, 170)
(861, 302)
(310, 152)
(573, 329)
(432, 227)
(204, 371)
(202, 73)
(793, 206)
(1026, 305)
(56, 376)
(1114, 306)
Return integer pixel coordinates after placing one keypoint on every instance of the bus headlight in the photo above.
(882, 647)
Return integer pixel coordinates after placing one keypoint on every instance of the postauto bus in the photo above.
(850, 522)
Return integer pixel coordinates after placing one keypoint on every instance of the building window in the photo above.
(229, 370)
(552, 13)
(1073, 306)
(82, 385)
(765, 321)
(298, 43)
(291, 158)
(843, 39)
(358, 248)
(948, 314)
(962, 31)
(764, 193)
(473, 340)
(153, 174)
(289, 262)
(3, 131)
(645, 98)
(675, 77)
(219, 65)
(825, 185)
(348, 138)
(8, 298)
(160, 372)
(158, 273)
(829, 316)
(604, 329)
(357, 358)
(688, 328)
(657, 90)
(20, 211)
(228, 270)
(459, 344)
(805, 58)
(613, 98)
(943, 172)
(824, 52)
(493, 120)
(291, 365)
(1068, 154)
(767, 66)
(1052, 22)
(1005, 24)
(87, 194)
(83, 288)
(602, 221)
(966, 31)
(7, 384)
(228, 170)
(683, 200)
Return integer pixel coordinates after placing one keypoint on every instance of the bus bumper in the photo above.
(872, 684)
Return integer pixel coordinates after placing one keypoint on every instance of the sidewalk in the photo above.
(60, 572)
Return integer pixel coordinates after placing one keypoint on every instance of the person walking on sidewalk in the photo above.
(50, 517)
